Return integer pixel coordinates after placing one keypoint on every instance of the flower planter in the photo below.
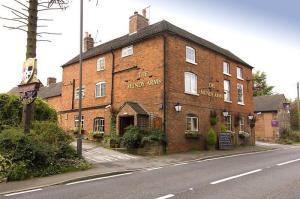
(191, 135)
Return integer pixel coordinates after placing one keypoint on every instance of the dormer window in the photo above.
(127, 51)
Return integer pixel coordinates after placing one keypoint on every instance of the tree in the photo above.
(260, 86)
(294, 116)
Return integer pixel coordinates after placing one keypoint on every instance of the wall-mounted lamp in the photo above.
(178, 107)
(250, 116)
(225, 113)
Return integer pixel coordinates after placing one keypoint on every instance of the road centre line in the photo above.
(166, 196)
(22, 192)
(154, 168)
(288, 162)
(236, 176)
(95, 179)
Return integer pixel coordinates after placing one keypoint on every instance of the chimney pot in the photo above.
(51, 80)
(88, 42)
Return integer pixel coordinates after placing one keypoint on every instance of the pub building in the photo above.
(158, 76)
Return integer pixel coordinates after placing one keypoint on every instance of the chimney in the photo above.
(88, 42)
(51, 80)
(137, 22)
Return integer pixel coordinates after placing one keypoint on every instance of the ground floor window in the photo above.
(76, 121)
(192, 123)
(99, 124)
(242, 124)
(227, 121)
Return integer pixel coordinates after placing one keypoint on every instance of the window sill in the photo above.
(126, 56)
(99, 97)
(228, 101)
(242, 104)
(195, 94)
(191, 62)
(100, 70)
(227, 74)
(242, 79)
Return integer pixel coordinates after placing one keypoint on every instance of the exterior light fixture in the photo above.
(250, 116)
(225, 113)
(178, 107)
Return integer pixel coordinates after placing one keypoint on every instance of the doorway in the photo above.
(124, 123)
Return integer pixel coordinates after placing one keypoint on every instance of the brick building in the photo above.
(142, 76)
(273, 116)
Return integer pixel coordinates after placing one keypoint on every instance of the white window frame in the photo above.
(127, 51)
(242, 124)
(76, 121)
(101, 92)
(189, 80)
(240, 101)
(100, 64)
(77, 93)
(227, 93)
(190, 55)
(191, 119)
(226, 68)
(228, 122)
(239, 73)
(98, 124)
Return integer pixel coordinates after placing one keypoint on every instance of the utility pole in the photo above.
(298, 105)
(79, 137)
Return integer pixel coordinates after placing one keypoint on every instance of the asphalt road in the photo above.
(273, 175)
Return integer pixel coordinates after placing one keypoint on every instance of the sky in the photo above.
(265, 34)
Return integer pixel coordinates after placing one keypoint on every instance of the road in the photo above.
(274, 174)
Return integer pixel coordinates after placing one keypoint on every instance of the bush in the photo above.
(223, 128)
(42, 111)
(5, 165)
(211, 137)
(18, 171)
(11, 109)
(289, 136)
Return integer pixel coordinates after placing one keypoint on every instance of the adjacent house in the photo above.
(158, 76)
(272, 116)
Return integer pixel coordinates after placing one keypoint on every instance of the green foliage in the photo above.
(288, 136)
(211, 137)
(260, 84)
(46, 150)
(136, 137)
(10, 110)
(223, 128)
(294, 116)
(42, 111)
(97, 134)
(191, 134)
(5, 164)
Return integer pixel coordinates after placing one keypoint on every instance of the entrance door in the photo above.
(124, 123)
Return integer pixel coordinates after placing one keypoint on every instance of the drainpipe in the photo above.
(165, 95)
(112, 78)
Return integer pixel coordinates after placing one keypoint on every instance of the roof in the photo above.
(149, 31)
(44, 92)
(269, 103)
(137, 108)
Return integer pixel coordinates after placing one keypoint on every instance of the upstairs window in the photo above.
(190, 55)
(227, 97)
(240, 93)
(127, 51)
(76, 121)
(239, 73)
(190, 80)
(100, 89)
(77, 93)
(101, 64)
(99, 124)
(226, 68)
(192, 122)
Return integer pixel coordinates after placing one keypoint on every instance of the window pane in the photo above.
(187, 82)
(195, 124)
(190, 54)
(188, 124)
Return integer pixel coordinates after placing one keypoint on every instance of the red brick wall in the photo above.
(209, 68)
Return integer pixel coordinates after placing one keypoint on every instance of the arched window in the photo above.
(99, 124)
(192, 122)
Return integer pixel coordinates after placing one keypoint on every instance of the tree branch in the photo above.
(15, 10)
(14, 28)
(14, 19)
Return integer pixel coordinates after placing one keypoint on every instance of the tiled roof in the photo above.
(150, 31)
(137, 108)
(44, 92)
(271, 103)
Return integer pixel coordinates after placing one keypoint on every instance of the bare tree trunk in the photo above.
(32, 29)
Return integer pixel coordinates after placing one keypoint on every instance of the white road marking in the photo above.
(178, 164)
(154, 168)
(22, 192)
(95, 179)
(288, 162)
(166, 196)
(236, 176)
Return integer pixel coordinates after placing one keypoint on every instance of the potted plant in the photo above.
(211, 139)
(192, 134)
(97, 135)
(213, 118)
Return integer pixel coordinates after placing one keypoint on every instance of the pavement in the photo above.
(123, 163)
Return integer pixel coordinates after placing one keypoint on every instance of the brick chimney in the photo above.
(51, 80)
(137, 22)
(88, 42)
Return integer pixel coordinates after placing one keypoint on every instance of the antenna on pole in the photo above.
(146, 12)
